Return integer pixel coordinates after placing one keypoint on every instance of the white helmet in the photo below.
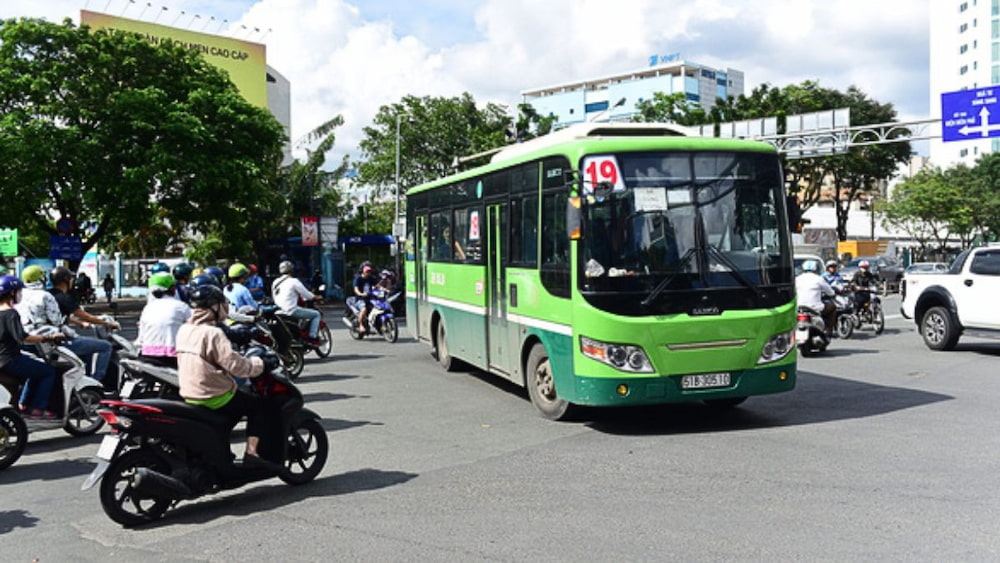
(811, 266)
(286, 267)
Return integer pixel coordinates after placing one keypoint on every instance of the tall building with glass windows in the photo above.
(614, 98)
(965, 55)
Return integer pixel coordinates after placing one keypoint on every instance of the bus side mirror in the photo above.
(574, 219)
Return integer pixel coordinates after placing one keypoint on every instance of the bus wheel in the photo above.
(542, 386)
(441, 347)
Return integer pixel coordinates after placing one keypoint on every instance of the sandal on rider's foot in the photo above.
(39, 414)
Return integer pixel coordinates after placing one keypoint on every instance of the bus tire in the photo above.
(542, 388)
(441, 349)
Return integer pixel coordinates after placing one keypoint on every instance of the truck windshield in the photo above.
(687, 221)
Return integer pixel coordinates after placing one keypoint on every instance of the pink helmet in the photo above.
(864, 265)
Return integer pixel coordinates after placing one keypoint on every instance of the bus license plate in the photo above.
(705, 381)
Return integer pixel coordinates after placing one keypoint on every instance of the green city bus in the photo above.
(608, 265)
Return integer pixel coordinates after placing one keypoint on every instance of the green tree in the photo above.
(921, 207)
(107, 127)
(671, 108)
(433, 133)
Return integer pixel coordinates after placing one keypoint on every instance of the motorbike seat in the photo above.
(808, 309)
(185, 410)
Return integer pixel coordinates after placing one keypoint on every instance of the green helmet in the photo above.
(3, 269)
(238, 270)
(161, 280)
(33, 274)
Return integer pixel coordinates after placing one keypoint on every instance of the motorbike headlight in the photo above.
(623, 357)
(777, 347)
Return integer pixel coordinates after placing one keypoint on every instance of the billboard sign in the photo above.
(970, 114)
(8, 242)
(245, 62)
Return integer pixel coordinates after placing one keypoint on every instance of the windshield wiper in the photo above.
(681, 265)
(732, 268)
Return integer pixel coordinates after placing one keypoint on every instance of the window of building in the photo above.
(962, 28)
(995, 74)
(963, 153)
(964, 69)
(964, 48)
(963, 7)
(995, 29)
(995, 52)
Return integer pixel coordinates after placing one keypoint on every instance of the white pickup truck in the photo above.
(965, 300)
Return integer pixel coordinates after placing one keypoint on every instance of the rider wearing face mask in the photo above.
(207, 365)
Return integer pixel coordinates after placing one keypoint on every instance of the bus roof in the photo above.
(583, 132)
(589, 130)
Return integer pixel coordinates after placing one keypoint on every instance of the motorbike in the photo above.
(870, 312)
(846, 318)
(75, 396)
(810, 332)
(162, 452)
(381, 318)
(13, 429)
(121, 349)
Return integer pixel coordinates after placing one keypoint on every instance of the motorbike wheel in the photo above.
(845, 326)
(292, 362)
(13, 437)
(326, 342)
(878, 318)
(123, 504)
(390, 331)
(355, 334)
(83, 419)
(307, 452)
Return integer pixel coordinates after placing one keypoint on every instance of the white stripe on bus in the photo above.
(540, 324)
(520, 319)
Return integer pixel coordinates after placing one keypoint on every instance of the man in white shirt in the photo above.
(286, 291)
(811, 288)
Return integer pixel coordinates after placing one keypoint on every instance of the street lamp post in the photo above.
(395, 218)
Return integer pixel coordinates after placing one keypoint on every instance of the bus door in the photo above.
(420, 271)
(496, 254)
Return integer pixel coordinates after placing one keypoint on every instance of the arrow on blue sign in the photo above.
(966, 114)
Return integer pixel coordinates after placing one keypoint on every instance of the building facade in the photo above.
(965, 55)
(614, 98)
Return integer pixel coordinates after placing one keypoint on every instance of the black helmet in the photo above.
(206, 296)
(203, 279)
(182, 271)
(218, 273)
(60, 275)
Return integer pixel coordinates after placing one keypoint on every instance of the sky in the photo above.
(352, 57)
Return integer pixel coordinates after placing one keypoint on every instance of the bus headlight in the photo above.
(619, 356)
(777, 347)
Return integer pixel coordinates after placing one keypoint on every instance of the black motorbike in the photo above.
(164, 451)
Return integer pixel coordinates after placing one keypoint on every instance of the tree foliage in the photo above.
(433, 132)
(935, 205)
(104, 126)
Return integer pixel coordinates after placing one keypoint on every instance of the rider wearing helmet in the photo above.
(287, 290)
(37, 307)
(831, 275)
(865, 280)
(182, 275)
(35, 395)
(158, 268)
(207, 365)
(238, 295)
(811, 288)
(255, 284)
(160, 320)
(85, 347)
(364, 283)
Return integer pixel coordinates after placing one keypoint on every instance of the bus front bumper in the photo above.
(652, 390)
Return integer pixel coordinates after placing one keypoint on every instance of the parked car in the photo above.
(926, 268)
(885, 268)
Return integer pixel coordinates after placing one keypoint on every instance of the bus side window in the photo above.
(524, 231)
(440, 236)
(555, 272)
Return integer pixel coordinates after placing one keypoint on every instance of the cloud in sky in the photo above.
(350, 58)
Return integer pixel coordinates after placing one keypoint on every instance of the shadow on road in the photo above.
(262, 498)
(10, 520)
(816, 399)
(52, 470)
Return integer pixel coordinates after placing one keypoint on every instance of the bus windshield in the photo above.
(685, 221)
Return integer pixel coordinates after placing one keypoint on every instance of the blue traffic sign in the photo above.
(970, 114)
(65, 247)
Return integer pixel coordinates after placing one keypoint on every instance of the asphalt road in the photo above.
(886, 451)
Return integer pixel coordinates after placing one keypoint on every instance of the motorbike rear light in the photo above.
(802, 317)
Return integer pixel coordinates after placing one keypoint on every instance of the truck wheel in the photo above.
(938, 329)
